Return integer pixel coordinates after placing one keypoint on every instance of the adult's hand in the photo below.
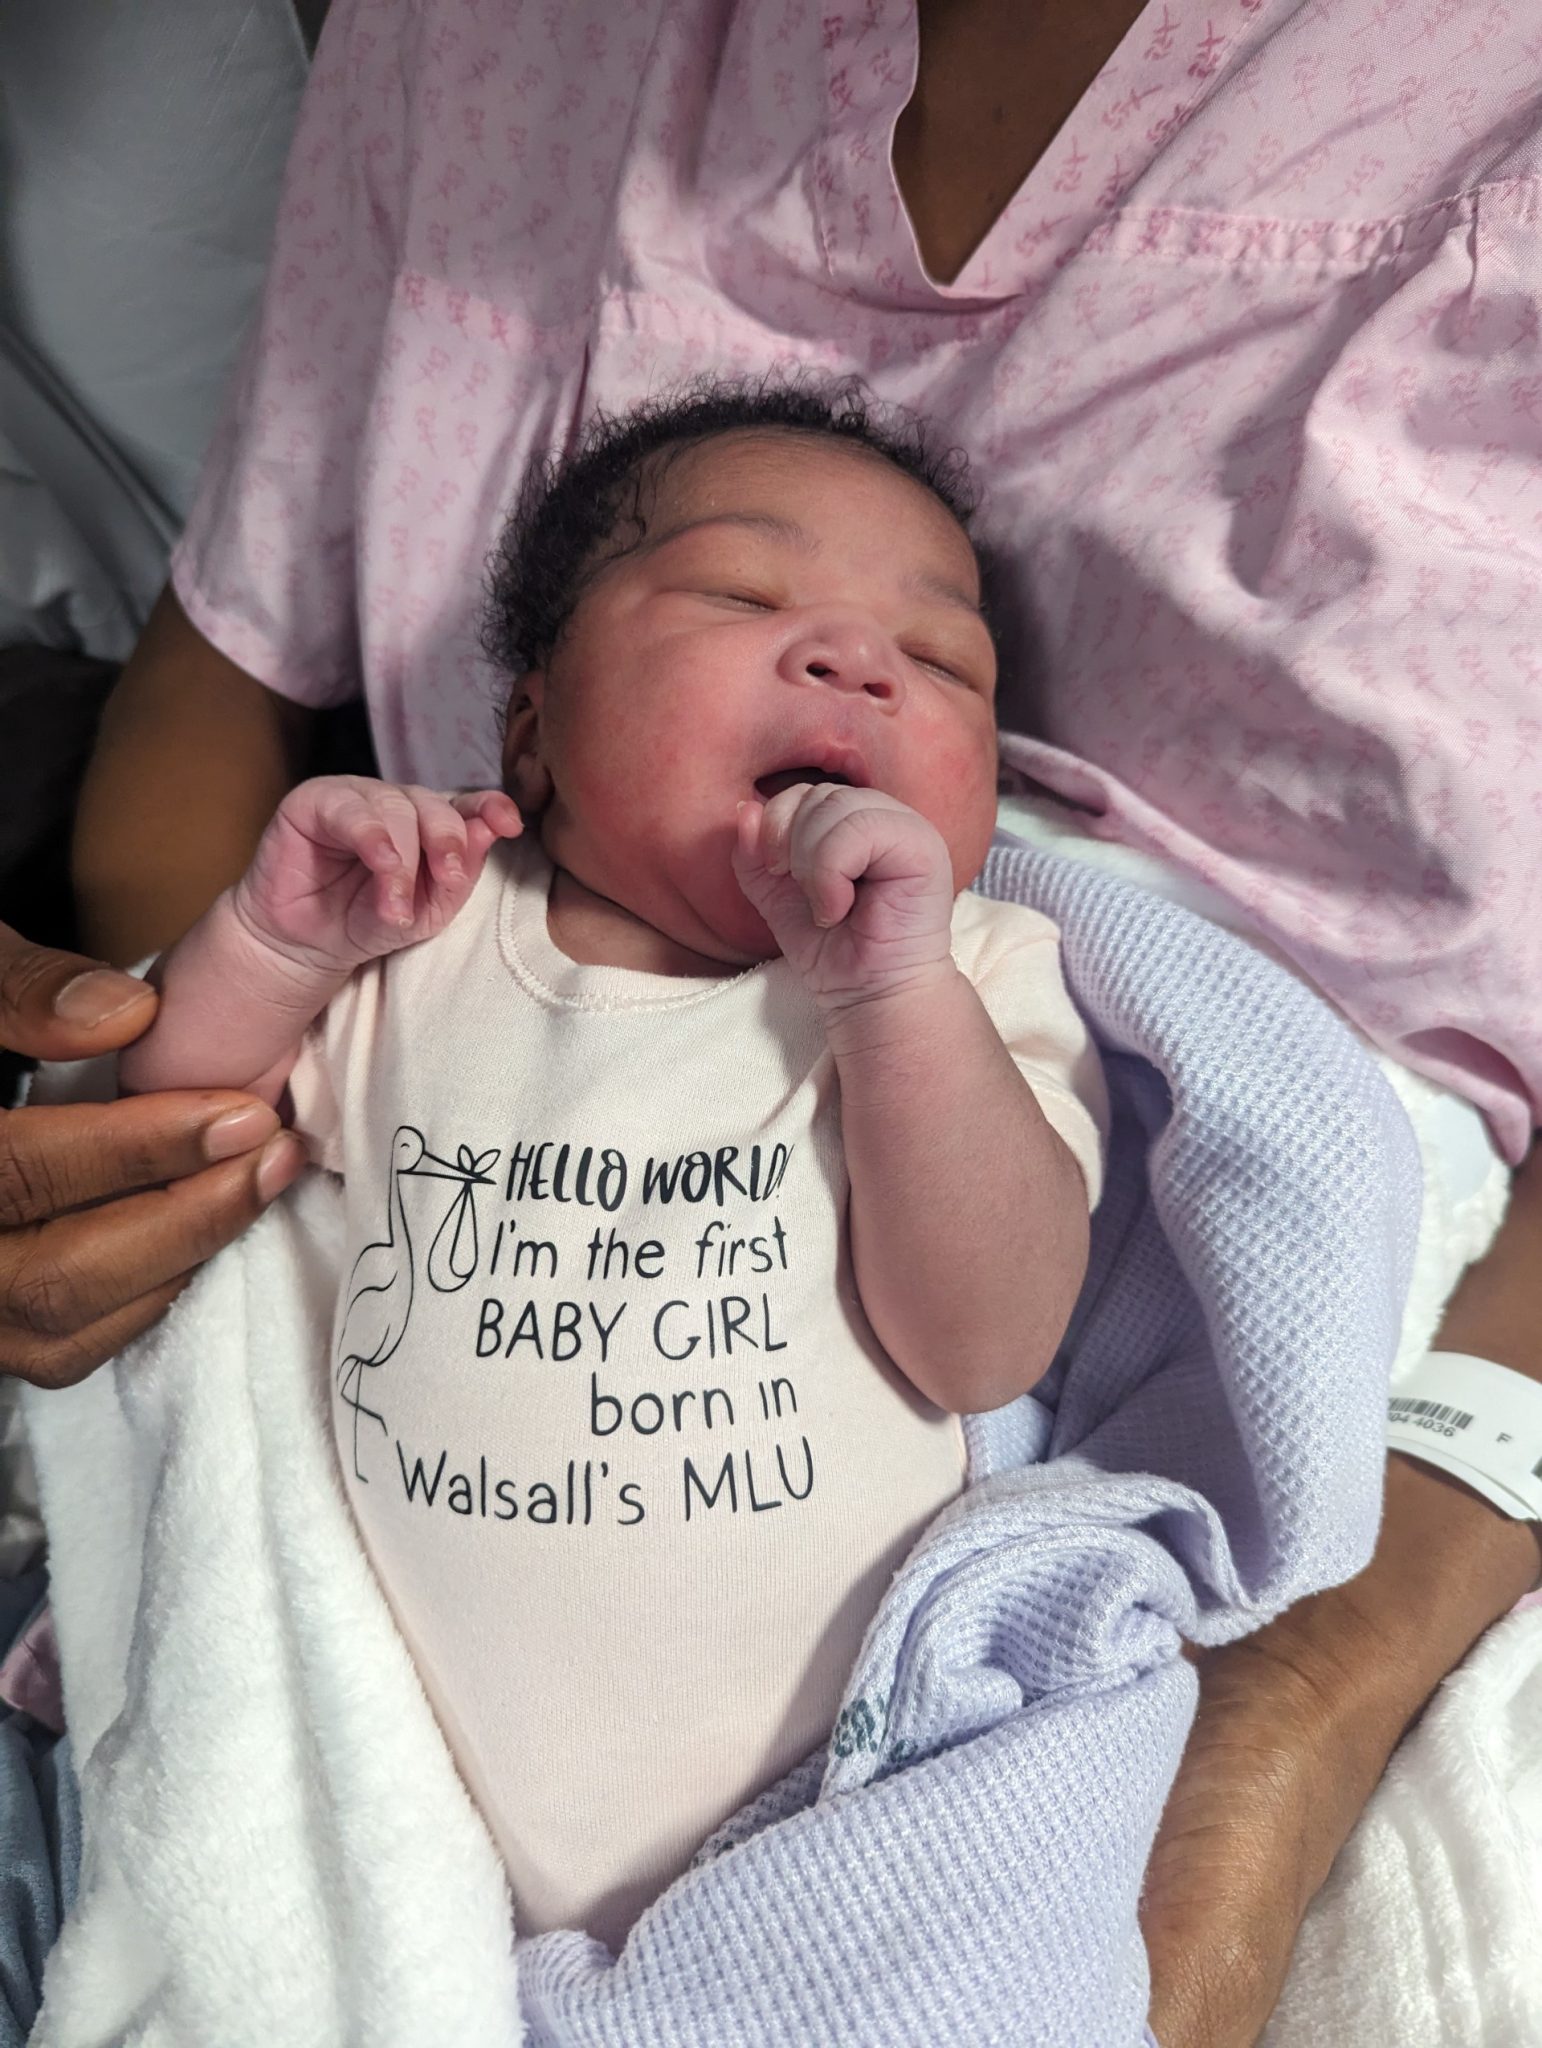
(107, 1208)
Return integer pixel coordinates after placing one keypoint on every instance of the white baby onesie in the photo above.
(631, 1466)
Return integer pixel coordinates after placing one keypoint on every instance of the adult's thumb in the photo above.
(62, 1006)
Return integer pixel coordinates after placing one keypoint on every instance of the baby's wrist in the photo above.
(875, 1023)
(247, 956)
(231, 1007)
(305, 963)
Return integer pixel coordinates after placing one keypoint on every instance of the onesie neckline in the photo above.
(547, 974)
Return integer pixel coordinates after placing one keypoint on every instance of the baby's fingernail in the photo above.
(99, 993)
(454, 865)
(238, 1130)
(282, 1160)
(741, 803)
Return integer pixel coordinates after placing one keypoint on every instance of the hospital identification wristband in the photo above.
(1478, 1421)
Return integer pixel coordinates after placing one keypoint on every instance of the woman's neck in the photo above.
(997, 80)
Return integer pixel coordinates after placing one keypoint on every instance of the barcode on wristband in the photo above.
(1405, 1409)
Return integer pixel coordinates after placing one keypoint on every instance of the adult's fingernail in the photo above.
(282, 1160)
(99, 993)
(238, 1130)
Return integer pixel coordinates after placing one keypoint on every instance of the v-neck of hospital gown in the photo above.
(1247, 371)
(865, 233)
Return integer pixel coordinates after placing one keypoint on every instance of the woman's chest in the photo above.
(713, 189)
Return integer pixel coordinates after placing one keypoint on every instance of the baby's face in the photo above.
(798, 611)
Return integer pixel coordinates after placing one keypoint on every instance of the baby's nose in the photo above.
(850, 654)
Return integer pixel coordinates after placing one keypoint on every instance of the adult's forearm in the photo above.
(1295, 1727)
(191, 760)
(1448, 1564)
(1297, 1723)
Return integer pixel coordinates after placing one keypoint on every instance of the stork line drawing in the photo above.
(381, 1285)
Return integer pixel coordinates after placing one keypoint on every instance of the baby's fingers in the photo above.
(826, 859)
(749, 828)
(399, 881)
(489, 815)
(494, 807)
(766, 887)
(845, 837)
(778, 899)
(830, 893)
(776, 858)
(441, 833)
(375, 824)
(780, 817)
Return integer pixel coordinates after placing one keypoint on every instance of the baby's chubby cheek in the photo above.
(655, 840)
(959, 798)
(970, 843)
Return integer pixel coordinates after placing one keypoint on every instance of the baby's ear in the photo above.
(524, 771)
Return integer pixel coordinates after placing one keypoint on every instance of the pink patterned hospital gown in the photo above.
(1250, 370)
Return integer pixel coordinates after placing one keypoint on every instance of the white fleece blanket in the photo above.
(241, 1841)
(190, 1763)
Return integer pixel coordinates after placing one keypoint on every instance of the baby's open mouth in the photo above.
(768, 786)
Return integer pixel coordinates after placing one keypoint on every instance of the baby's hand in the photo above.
(856, 887)
(350, 868)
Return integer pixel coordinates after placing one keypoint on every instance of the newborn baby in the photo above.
(708, 1150)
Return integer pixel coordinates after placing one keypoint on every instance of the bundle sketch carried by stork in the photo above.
(380, 1287)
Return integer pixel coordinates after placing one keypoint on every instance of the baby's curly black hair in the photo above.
(585, 509)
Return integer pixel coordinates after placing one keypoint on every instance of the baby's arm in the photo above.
(968, 1211)
(348, 869)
